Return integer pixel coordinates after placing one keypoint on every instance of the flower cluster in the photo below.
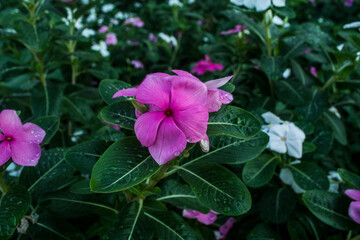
(178, 111)
(19, 142)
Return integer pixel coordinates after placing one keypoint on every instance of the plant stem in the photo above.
(71, 48)
(329, 82)
(3, 185)
(177, 47)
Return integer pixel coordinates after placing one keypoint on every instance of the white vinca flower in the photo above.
(334, 179)
(259, 5)
(102, 48)
(285, 137)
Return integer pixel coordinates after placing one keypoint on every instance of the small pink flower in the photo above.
(116, 127)
(238, 28)
(224, 229)
(134, 21)
(205, 218)
(19, 142)
(137, 64)
(200, 22)
(313, 71)
(103, 29)
(348, 3)
(256, 67)
(111, 39)
(153, 38)
(206, 65)
(177, 113)
(132, 43)
(307, 51)
(354, 209)
(114, 21)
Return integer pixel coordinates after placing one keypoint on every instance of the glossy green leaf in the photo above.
(81, 187)
(337, 126)
(349, 177)
(309, 176)
(263, 232)
(273, 67)
(292, 93)
(314, 110)
(296, 230)
(50, 124)
(119, 113)
(108, 87)
(123, 165)
(217, 188)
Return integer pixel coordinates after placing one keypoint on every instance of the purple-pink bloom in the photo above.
(206, 65)
(134, 21)
(153, 38)
(111, 39)
(225, 228)
(19, 142)
(205, 218)
(116, 127)
(234, 30)
(307, 51)
(313, 71)
(348, 3)
(137, 64)
(177, 113)
(354, 209)
(103, 29)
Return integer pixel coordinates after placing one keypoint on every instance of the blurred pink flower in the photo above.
(224, 229)
(313, 71)
(137, 64)
(177, 113)
(205, 218)
(132, 43)
(111, 39)
(153, 38)
(307, 51)
(206, 65)
(134, 21)
(236, 29)
(348, 3)
(116, 127)
(200, 22)
(19, 142)
(103, 29)
(354, 209)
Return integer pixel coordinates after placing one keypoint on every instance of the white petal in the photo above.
(250, 3)
(334, 187)
(280, 130)
(262, 5)
(276, 144)
(237, 2)
(277, 20)
(294, 148)
(271, 118)
(296, 188)
(286, 73)
(352, 25)
(295, 133)
(279, 3)
(286, 176)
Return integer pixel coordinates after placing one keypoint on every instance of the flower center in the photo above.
(168, 113)
(8, 138)
(283, 138)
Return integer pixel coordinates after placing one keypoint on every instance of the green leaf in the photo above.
(308, 147)
(108, 133)
(291, 93)
(230, 150)
(108, 87)
(233, 121)
(285, 12)
(349, 177)
(119, 113)
(263, 232)
(313, 111)
(259, 171)
(180, 195)
(38, 99)
(309, 176)
(81, 187)
(129, 224)
(78, 110)
(123, 165)
(83, 157)
(50, 124)
(300, 74)
(217, 188)
(296, 231)
(337, 126)
(330, 208)
(170, 226)
(273, 67)
(14, 204)
(277, 204)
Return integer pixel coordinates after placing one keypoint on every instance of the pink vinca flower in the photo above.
(313, 71)
(135, 21)
(137, 64)
(224, 229)
(116, 127)
(236, 29)
(354, 209)
(217, 97)
(205, 218)
(206, 65)
(177, 113)
(19, 142)
(103, 29)
(153, 38)
(111, 39)
(348, 3)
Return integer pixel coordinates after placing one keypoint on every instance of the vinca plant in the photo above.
(179, 119)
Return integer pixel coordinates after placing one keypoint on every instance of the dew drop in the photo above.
(177, 153)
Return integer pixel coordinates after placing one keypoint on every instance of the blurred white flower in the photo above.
(137, 4)
(122, 15)
(287, 178)
(335, 111)
(92, 16)
(14, 170)
(85, 2)
(175, 3)
(334, 179)
(191, 1)
(259, 5)
(108, 7)
(102, 48)
(87, 32)
(286, 74)
(340, 47)
(352, 25)
(169, 39)
(278, 21)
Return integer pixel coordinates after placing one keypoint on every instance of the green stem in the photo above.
(173, 57)
(329, 82)
(3, 186)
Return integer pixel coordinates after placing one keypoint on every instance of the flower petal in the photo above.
(187, 213)
(213, 101)
(30, 133)
(225, 228)
(126, 92)
(276, 143)
(294, 148)
(271, 118)
(184, 73)
(295, 133)
(207, 219)
(354, 194)
(286, 176)
(354, 211)
(192, 122)
(146, 127)
(5, 152)
(225, 97)
(170, 142)
(279, 3)
(217, 82)
(9, 122)
(26, 154)
(187, 92)
(155, 89)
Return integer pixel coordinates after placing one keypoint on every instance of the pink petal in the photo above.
(2, 137)
(192, 122)
(5, 152)
(225, 97)
(9, 122)
(146, 127)
(213, 101)
(155, 89)
(207, 219)
(30, 133)
(224, 229)
(354, 211)
(354, 194)
(215, 66)
(187, 213)
(187, 92)
(137, 113)
(126, 92)
(26, 154)
(217, 82)
(184, 73)
(170, 142)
